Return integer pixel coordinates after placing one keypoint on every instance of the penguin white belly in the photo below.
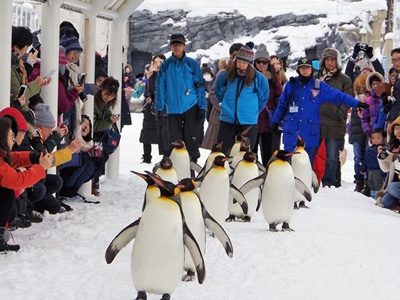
(278, 193)
(152, 193)
(235, 149)
(158, 251)
(244, 172)
(237, 158)
(214, 193)
(194, 219)
(302, 168)
(168, 175)
(181, 162)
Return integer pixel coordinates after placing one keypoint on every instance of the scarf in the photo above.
(327, 75)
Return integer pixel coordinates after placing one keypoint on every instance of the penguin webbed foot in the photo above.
(246, 219)
(141, 296)
(188, 277)
(302, 204)
(231, 218)
(166, 297)
(285, 227)
(272, 227)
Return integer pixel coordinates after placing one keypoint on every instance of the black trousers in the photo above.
(52, 184)
(228, 132)
(163, 137)
(269, 142)
(185, 127)
(7, 197)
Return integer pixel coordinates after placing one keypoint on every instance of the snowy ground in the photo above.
(343, 247)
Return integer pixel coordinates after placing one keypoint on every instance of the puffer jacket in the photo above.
(242, 109)
(305, 121)
(180, 86)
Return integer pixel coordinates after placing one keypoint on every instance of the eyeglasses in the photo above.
(395, 60)
(264, 62)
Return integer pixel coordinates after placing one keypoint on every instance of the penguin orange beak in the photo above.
(226, 158)
(291, 153)
(144, 176)
(180, 186)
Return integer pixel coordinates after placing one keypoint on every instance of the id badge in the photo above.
(293, 109)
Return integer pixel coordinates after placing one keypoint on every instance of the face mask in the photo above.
(207, 77)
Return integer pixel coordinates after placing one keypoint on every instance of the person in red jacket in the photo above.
(15, 176)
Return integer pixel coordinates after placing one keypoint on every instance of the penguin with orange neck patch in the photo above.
(180, 159)
(161, 235)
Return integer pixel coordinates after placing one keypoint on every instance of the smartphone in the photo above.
(51, 73)
(82, 78)
(22, 91)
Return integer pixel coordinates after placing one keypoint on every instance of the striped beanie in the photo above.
(246, 53)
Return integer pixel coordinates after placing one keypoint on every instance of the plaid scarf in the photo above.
(327, 75)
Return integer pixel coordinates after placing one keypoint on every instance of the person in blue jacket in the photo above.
(243, 93)
(299, 105)
(181, 94)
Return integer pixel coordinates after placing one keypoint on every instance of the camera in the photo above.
(363, 46)
(382, 155)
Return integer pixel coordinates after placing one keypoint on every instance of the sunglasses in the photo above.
(264, 62)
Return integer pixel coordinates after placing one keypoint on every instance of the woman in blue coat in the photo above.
(243, 93)
(299, 105)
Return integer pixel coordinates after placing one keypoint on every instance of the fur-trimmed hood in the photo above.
(360, 84)
(331, 52)
(370, 76)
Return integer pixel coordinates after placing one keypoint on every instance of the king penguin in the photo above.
(158, 252)
(166, 170)
(245, 170)
(302, 170)
(216, 188)
(197, 218)
(180, 159)
(215, 151)
(244, 147)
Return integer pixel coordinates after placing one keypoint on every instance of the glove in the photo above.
(369, 52)
(357, 49)
(274, 127)
(387, 105)
(201, 114)
(362, 105)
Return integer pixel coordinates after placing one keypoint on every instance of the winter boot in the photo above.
(359, 186)
(4, 247)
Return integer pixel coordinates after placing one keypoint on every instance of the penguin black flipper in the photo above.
(219, 232)
(261, 168)
(302, 189)
(252, 184)
(315, 183)
(259, 199)
(196, 167)
(121, 240)
(239, 197)
(190, 242)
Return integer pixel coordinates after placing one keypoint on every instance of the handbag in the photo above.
(109, 139)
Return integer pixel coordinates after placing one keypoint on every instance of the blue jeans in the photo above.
(391, 198)
(359, 151)
(332, 159)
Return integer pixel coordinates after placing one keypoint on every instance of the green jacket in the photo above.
(333, 116)
(32, 87)
(102, 115)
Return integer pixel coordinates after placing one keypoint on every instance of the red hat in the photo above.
(16, 117)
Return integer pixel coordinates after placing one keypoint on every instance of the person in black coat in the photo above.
(153, 131)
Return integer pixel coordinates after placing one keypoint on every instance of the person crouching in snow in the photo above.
(299, 105)
(14, 177)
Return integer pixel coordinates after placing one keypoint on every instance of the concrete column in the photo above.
(50, 37)
(115, 70)
(88, 67)
(5, 57)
